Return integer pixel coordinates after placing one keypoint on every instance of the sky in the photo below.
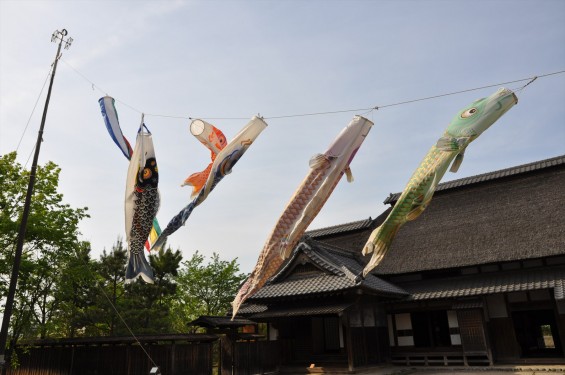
(226, 61)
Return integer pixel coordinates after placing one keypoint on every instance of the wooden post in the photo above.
(349, 343)
(173, 359)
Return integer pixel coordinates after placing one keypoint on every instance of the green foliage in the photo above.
(75, 294)
(146, 306)
(51, 240)
(51, 222)
(111, 277)
(205, 289)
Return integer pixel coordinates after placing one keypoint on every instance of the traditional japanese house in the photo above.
(478, 278)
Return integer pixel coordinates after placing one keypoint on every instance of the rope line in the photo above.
(367, 110)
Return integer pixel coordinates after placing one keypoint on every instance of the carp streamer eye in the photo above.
(146, 173)
(468, 113)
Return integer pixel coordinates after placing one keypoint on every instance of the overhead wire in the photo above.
(365, 110)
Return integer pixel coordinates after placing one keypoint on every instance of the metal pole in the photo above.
(57, 35)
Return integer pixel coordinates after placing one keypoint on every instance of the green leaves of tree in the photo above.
(205, 289)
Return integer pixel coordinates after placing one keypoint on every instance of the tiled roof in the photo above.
(347, 227)
(322, 309)
(220, 321)
(491, 175)
(249, 308)
(490, 283)
(320, 283)
(339, 271)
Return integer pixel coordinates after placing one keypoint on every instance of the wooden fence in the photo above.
(174, 354)
(197, 354)
(240, 357)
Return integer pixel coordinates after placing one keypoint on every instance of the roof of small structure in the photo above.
(220, 322)
(316, 267)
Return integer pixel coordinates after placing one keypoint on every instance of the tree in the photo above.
(205, 289)
(51, 241)
(112, 276)
(146, 306)
(75, 295)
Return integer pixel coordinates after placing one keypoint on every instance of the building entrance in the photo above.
(537, 333)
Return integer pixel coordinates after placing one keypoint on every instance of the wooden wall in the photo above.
(504, 343)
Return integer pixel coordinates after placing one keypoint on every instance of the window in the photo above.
(547, 337)
(430, 328)
(425, 329)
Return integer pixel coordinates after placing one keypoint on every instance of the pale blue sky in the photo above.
(239, 58)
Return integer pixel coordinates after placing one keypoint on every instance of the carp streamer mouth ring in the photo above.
(197, 127)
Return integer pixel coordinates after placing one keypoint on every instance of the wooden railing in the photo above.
(433, 358)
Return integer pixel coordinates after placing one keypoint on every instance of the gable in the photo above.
(304, 270)
(316, 268)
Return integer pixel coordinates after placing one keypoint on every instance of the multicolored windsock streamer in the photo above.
(110, 115)
(226, 157)
(308, 199)
(112, 122)
(215, 141)
(153, 235)
(467, 125)
(141, 204)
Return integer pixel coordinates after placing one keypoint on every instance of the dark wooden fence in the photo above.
(174, 354)
(249, 357)
(256, 357)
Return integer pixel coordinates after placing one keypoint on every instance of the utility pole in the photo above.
(57, 37)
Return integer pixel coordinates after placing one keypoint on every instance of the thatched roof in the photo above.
(520, 169)
(512, 214)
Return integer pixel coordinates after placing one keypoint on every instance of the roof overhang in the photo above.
(491, 283)
(220, 322)
(309, 310)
